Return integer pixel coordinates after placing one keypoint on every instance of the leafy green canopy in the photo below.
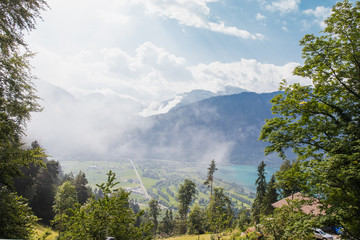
(321, 122)
(219, 212)
(17, 101)
(16, 218)
(103, 217)
(17, 95)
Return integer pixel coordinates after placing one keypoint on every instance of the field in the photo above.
(41, 230)
(161, 179)
(200, 237)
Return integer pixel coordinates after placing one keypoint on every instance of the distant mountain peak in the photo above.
(186, 98)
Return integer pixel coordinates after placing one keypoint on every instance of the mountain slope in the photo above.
(225, 128)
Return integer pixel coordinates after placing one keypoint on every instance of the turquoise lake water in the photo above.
(242, 174)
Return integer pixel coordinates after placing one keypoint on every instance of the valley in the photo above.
(161, 179)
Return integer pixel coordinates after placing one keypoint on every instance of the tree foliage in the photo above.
(270, 197)
(83, 191)
(38, 184)
(185, 196)
(107, 216)
(154, 212)
(261, 186)
(17, 95)
(17, 101)
(320, 123)
(219, 212)
(167, 223)
(16, 218)
(197, 221)
(289, 222)
(210, 176)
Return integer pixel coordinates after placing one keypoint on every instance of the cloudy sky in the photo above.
(150, 50)
(147, 51)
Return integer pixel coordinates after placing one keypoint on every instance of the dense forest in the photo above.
(319, 123)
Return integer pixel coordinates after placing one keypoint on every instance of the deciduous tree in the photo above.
(17, 101)
(16, 218)
(107, 216)
(320, 123)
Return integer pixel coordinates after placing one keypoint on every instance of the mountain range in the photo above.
(201, 126)
(222, 127)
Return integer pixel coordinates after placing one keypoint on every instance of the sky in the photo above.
(151, 50)
(138, 53)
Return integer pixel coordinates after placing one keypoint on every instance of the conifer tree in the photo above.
(154, 212)
(260, 193)
(270, 197)
(185, 196)
(210, 176)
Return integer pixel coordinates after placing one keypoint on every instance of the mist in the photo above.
(103, 125)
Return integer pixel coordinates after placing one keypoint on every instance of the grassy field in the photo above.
(41, 230)
(200, 237)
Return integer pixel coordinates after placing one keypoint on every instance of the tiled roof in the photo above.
(312, 208)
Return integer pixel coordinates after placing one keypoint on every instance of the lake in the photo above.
(242, 174)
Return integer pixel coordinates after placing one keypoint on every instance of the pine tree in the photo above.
(271, 196)
(260, 193)
(186, 195)
(154, 212)
(210, 176)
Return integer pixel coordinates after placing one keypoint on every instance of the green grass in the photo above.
(40, 230)
(148, 182)
(225, 235)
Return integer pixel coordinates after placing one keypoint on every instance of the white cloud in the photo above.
(247, 73)
(194, 13)
(152, 74)
(260, 17)
(320, 13)
(284, 6)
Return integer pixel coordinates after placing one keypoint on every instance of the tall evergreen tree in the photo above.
(197, 221)
(185, 196)
(270, 197)
(154, 212)
(167, 223)
(219, 212)
(83, 191)
(260, 192)
(210, 176)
